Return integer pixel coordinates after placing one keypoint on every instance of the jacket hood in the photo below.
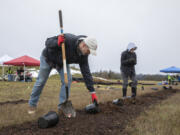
(131, 46)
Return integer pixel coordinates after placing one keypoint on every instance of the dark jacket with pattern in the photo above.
(128, 62)
(53, 55)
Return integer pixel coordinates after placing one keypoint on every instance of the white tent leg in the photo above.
(24, 73)
(3, 71)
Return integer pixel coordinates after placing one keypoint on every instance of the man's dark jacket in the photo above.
(128, 62)
(53, 55)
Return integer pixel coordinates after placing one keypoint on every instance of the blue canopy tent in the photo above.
(171, 70)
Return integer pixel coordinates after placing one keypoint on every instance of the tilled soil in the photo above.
(111, 120)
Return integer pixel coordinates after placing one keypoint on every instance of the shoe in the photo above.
(32, 110)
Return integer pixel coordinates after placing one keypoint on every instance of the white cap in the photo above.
(92, 44)
(131, 46)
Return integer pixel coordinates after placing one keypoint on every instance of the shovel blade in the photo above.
(68, 109)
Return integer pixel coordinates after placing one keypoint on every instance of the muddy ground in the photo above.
(111, 120)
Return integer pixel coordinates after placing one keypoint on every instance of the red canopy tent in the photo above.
(23, 61)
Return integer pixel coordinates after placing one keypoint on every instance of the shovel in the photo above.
(66, 106)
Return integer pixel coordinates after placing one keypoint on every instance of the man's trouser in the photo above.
(43, 75)
(125, 83)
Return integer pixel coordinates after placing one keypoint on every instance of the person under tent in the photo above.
(20, 74)
(10, 74)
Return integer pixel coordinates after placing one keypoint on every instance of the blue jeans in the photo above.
(10, 77)
(43, 75)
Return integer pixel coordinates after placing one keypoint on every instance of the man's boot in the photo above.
(120, 101)
(133, 90)
(124, 90)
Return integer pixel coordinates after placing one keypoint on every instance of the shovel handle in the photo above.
(67, 93)
(64, 55)
(61, 21)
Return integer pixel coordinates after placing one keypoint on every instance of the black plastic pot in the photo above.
(92, 108)
(48, 120)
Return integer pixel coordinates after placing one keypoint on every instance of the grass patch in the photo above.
(162, 119)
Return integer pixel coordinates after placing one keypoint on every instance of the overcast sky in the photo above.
(154, 25)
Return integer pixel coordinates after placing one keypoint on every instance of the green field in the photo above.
(14, 114)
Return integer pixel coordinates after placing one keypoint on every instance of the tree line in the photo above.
(114, 75)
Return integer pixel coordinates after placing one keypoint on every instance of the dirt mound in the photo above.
(111, 120)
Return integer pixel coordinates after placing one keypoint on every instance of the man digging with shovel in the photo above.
(77, 49)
